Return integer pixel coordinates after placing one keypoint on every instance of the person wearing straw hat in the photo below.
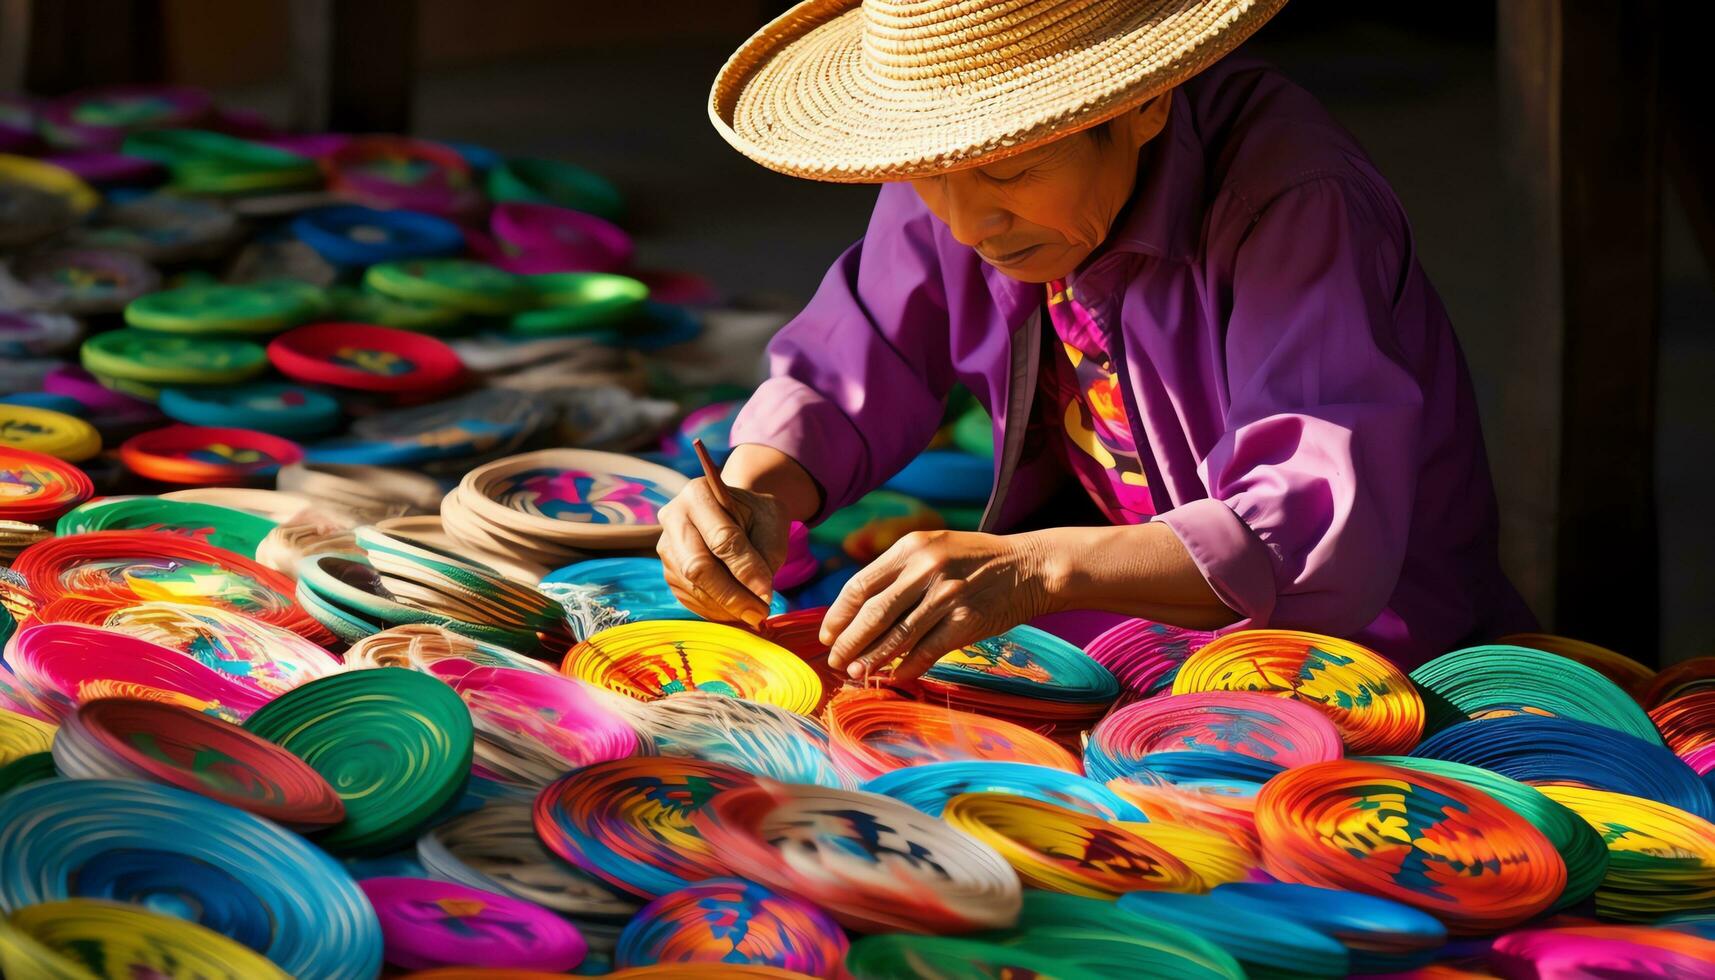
(1179, 287)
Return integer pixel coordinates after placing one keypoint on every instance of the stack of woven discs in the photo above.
(555, 506)
(1028, 677)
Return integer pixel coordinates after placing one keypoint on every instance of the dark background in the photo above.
(622, 88)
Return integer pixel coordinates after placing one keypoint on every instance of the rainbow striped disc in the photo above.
(875, 731)
(1371, 701)
(629, 821)
(727, 920)
(1429, 842)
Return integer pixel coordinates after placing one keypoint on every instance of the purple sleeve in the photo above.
(858, 379)
(1311, 487)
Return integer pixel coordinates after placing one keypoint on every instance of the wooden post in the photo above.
(353, 65)
(1581, 115)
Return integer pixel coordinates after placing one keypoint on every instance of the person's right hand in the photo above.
(720, 565)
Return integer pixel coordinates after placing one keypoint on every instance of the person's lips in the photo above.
(1009, 258)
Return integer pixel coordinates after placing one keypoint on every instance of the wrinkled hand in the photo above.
(720, 565)
(931, 593)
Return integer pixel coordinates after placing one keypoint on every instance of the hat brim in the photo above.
(799, 98)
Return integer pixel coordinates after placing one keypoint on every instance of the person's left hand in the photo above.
(931, 593)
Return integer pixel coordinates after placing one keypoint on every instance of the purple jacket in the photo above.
(1311, 430)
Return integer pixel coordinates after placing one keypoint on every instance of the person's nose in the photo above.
(973, 214)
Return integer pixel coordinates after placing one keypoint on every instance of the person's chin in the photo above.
(1043, 263)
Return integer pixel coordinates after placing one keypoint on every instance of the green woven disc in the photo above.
(1098, 936)
(220, 308)
(367, 306)
(223, 527)
(891, 955)
(457, 284)
(157, 358)
(574, 302)
(395, 745)
(32, 768)
(1491, 681)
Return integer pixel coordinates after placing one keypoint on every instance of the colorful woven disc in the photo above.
(127, 567)
(1430, 842)
(1103, 938)
(203, 456)
(460, 284)
(1371, 701)
(496, 849)
(286, 410)
(38, 430)
(874, 731)
(1275, 730)
(21, 735)
(395, 744)
(82, 937)
(226, 309)
(1495, 681)
(222, 527)
(427, 923)
(1541, 750)
(653, 660)
(167, 849)
(153, 358)
(366, 358)
(62, 665)
(758, 738)
(1063, 850)
(1661, 859)
(1580, 847)
(929, 786)
(629, 821)
(1025, 662)
(726, 920)
(119, 739)
(872, 862)
(36, 487)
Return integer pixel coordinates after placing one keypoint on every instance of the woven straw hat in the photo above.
(856, 92)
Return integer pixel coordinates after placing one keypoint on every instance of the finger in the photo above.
(961, 627)
(878, 613)
(696, 600)
(904, 636)
(859, 589)
(707, 579)
(905, 632)
(727, 539)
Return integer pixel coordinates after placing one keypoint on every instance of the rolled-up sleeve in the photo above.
(858, 379)
(1311, 485)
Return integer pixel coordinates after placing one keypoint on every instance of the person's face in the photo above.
(1037, 215)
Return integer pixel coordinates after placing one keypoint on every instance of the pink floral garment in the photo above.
(1086, 405)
